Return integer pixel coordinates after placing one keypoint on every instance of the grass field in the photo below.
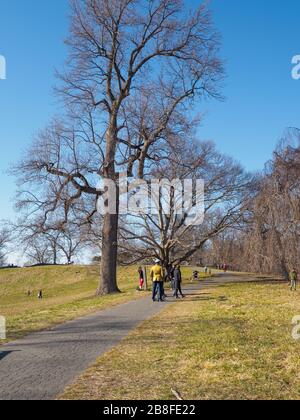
(230, 342)
(69, 292)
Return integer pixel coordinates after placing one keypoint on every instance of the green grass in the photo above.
(69, 292)
(230, 342)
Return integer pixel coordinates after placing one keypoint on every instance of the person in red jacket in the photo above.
(141, 278)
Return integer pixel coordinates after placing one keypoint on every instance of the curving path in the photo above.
(41, 365)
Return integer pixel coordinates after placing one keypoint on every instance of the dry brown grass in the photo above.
(232, 342)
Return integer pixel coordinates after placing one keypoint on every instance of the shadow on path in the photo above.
(4, 354)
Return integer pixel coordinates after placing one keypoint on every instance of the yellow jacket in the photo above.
(157, 273)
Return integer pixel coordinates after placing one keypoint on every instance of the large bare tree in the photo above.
(126, 57)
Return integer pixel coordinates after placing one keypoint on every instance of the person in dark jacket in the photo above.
(172, 284)
(178, 282)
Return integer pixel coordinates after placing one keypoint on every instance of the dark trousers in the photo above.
(178, 289)
(158, 287)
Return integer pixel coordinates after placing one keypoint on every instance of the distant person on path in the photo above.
(141, 278)
(40, 295)
(293, 279)
(172, 277)
(157, 277)
(195, 276)
(177, 282)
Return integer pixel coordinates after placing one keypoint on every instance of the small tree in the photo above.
(4, 240)
(71, 242)
(38, 251)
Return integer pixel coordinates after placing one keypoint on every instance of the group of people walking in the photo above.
(174, 276)
(159, 278)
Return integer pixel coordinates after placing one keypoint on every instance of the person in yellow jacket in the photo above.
(157, 277)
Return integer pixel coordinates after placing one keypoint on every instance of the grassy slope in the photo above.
(69, 292)
(230, 342)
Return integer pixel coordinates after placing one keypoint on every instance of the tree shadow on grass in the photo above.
(269, 282)
(202, 296)
(192, 298)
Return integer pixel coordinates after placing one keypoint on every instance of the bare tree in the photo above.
(71, 242)
(4, 241)
(38, 251)
(168, 234)
(123, 54)
(58, 240)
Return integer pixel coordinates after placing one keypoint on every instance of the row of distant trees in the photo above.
(35, 244)
(268, 239)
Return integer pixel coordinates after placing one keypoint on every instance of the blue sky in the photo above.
(259, 40)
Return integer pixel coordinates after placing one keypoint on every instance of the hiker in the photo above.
(206, 270)
(40, 295)
(157, 277)
(293, 279)
(177, 282)
(141, 278)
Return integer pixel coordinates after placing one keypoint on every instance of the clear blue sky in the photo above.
(259, 39)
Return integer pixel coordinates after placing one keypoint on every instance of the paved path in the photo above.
(40, 366)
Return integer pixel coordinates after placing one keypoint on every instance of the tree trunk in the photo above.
(54, 256)
(108, 282)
